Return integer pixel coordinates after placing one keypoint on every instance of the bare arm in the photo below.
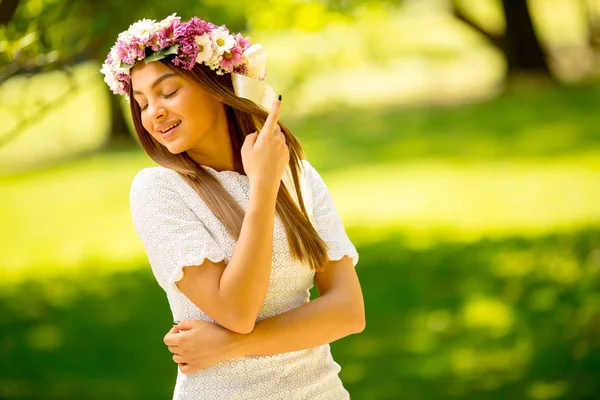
(338, 312)
(232, 295)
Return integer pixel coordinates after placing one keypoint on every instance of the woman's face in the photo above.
(175, 110)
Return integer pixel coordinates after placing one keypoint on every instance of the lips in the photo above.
(167, 130)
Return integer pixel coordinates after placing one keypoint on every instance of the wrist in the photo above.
(265, 192)
(239, 344)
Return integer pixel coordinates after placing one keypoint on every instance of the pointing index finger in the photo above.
(272, 118)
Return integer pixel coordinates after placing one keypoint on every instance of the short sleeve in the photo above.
(172, 234)
(326, 218)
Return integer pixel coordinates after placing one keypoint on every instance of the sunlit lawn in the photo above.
(478, 229)
(68, 216)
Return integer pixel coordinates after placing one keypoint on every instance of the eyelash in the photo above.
(164, 96)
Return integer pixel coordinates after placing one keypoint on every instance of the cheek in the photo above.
(146, 124)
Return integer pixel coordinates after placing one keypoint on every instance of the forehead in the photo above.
(143, 75)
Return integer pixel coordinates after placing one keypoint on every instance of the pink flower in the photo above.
(232, 58)
(154, 41)
(243, 42)
(168, 36)
(138, 48)
(125, 52)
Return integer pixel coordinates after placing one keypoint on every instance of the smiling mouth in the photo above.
(170, 128)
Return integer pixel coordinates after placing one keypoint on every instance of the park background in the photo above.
(459, 139)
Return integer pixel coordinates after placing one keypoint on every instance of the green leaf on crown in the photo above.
(160, 54)
(171, 50)
(125, 65)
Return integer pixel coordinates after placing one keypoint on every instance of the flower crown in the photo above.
(195, 41)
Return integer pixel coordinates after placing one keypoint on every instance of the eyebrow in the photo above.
(158, 80)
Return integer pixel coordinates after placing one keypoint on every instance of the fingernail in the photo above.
(279, 97)
(175, 322)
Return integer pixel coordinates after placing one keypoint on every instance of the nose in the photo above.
(156, 111)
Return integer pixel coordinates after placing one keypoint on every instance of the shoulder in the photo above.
(308, 170)
(153, 180)
(311, 175)
(152, 188)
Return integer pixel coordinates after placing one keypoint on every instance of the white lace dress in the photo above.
(178, 229)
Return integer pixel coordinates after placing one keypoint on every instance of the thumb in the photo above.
(184, 325)
(250, 139)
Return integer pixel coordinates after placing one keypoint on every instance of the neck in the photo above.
(215, 151)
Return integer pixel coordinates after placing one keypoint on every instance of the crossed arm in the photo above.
(338, 312)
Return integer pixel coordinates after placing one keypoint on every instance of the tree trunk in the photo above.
(592, 10)
(7, 10)
(523, 50)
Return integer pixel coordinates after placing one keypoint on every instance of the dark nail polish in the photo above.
(279, 97)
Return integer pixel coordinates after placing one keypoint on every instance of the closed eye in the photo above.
(164, 96)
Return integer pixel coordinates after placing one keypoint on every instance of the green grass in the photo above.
(494, 319)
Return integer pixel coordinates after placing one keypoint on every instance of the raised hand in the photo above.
(265, 154)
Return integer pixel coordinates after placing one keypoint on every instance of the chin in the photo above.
(176, 150)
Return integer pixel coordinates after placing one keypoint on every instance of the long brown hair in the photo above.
(243, 118)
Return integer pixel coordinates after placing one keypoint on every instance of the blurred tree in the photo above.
(42, 35)
(519, 41)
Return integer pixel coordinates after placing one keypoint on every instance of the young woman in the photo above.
(237, 226)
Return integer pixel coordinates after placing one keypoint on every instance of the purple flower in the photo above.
(241, 69)
(123, 84)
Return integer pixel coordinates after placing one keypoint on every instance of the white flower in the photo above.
(222, 40)
(125, 37)
(205, 51)
(109, 77)
(143, 28)
(165, 23)
(215, 61)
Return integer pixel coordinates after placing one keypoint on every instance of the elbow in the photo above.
(243, 328)
(241, 324)
(359, 324)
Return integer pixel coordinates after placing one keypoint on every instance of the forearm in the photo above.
(321, 321)
(245, 280)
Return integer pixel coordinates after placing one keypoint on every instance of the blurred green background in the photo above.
(459, 139)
